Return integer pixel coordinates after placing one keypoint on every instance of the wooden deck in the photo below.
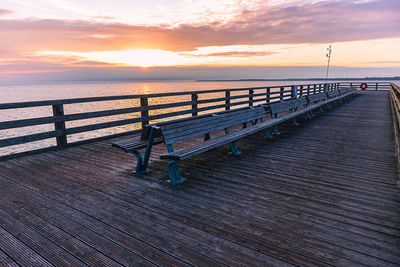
(322, 194)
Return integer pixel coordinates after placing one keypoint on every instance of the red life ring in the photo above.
(363, 86)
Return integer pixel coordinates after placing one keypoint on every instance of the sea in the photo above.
(36, 92)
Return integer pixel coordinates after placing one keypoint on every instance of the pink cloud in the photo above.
(329, 21)
(231, 54)
(4, 12)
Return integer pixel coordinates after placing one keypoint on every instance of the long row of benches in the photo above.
(252, 119)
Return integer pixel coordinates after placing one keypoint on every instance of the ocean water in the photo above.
(22, 93)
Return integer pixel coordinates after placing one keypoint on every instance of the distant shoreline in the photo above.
(306, 79)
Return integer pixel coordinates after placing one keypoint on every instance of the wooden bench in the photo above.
(133, 146)
(353, 91)
(317, 101)
(334, 98)
(290, 106)
(147, 141)
(344, 92)
(337, 96)
(183, 131)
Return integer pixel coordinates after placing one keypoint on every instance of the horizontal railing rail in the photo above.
(369, 85)
(148, 109)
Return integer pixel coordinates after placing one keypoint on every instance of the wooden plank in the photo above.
(121, 238)
(45, 247)
(20, 253)
(5, 260)
(161, 237)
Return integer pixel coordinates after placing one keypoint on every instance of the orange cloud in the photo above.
(323, 22)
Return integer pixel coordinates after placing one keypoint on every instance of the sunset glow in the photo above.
(69, 36)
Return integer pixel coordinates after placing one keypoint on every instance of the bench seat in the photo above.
(129, 146)
(221, 140)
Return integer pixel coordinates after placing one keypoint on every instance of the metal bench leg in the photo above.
(234, 149)
(140, 167)
(276, 132)
(142, 163)
(308, 115)
(267, 134)
(295, 122)
(321, 109)
(173, 172)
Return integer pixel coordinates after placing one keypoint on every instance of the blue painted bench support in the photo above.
(133, 148)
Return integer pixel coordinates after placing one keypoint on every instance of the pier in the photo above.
(325, 192)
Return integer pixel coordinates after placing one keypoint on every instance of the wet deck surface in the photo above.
(323, 193)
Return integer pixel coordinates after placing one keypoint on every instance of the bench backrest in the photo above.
(277, 107)
(343, 91)
(187, 129)
(332, 94)
(316, 97)
(146, 131)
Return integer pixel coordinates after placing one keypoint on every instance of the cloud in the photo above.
(87, 74)
(231, 54)
(103, 17)
(4, 12)
(323, 22)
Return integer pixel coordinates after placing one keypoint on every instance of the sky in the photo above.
(92, 40)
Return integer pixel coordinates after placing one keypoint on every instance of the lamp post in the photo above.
(328, 55)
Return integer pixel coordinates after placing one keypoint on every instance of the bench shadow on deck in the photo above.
(321, 194)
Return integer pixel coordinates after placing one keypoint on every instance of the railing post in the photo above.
(58, 112)
(281, 93)
(227, 99)
(308, 89)
(144, 104)
(319, 88)
(315, 88)
(351, 85)
(294, 91)
(268, 95)
(376, 86)
(194, 104)
(251, 100)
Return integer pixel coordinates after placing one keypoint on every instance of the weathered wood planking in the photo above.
(323, 193)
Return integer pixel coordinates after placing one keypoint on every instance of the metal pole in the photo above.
(328, 55)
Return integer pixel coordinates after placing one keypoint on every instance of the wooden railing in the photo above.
(189, 104)
(370, 85)
(395, 106)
